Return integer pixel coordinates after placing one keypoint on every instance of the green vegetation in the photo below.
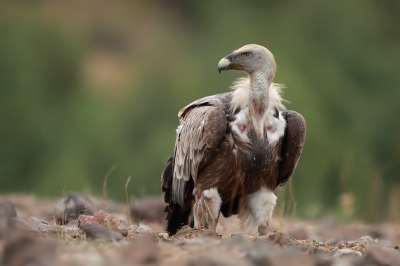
(86, 85)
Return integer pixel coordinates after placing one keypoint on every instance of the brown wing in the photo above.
(292, 145)
(199, 132)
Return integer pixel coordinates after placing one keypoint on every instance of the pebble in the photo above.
(70, 207)
(345, 252)
(42, 225)
(140, 228)
(25, 224)
(7, 212)
(104, 219)
(97, 232)
(280, 238)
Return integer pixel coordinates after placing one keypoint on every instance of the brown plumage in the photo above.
(233, 149)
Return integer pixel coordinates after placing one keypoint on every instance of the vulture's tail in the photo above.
(176, 215)
(177, 218)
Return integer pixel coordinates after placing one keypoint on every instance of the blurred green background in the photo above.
(87, 86)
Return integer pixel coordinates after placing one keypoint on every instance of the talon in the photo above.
(262, 230)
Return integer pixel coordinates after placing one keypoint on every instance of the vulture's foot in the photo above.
(262, 229)
(257, 210)
(206, 209)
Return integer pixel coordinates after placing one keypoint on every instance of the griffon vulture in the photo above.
(233, 149)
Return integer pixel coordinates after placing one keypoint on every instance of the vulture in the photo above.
(233, 149)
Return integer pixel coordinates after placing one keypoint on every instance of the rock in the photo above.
(139, 228)
(97, 232)
(24, 249)
(104, 219)
(42, 225)
(364, 240)
(141, 251)
(7, 212)
(62, 231)
(163, 236)
(71, 206)
(13, 224)
(280, 238)
(25, 224)
(188, 232)
(347, 252)
(379, 256)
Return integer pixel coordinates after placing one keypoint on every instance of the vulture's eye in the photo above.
(246, 55)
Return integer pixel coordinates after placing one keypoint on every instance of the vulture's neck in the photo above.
(259, 95)
(259, 100)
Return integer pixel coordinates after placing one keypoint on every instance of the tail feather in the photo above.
(177, 218)
(177, 215)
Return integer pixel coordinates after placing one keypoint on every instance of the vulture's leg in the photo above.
(206, 208)
(257, 210)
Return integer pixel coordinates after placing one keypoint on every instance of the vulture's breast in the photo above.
(258, 152)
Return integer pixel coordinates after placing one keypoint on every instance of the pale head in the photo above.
(252, 59)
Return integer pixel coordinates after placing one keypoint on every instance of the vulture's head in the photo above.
(250, 58)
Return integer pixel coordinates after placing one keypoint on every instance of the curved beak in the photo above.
(225, 63)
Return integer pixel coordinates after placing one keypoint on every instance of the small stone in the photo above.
(104, 219)
(71, 206)
(280, 238)
(346, 252)
(42, 225)
(25, 224)
(97, 232)
(364, 240)
(139, 228)
(164, 236)
(7, 212)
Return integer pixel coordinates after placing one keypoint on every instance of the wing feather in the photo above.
(292, 145)
(200, 131)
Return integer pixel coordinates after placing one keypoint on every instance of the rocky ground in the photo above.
(78, 230)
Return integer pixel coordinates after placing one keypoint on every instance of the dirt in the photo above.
(34, 237)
